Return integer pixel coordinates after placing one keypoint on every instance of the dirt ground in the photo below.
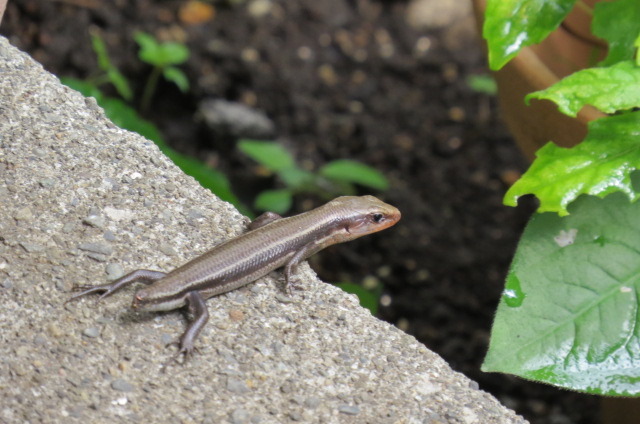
(382, 82)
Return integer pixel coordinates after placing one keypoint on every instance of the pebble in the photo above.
(240, 416)
(95, 221)
(32, 247)
(423, 15)
(287, 387)
(18, 368)
(119, 214)
(230, 371)
(47, 182)
(122, 385)
(349, 409)
(114, 271)
(39, 340)
(236, 315)
(283, 298)
(312, 402)
(92, 332)
(54, 330)
(68, 227)
(195, 214)
(97, 257)
(167, 249)
(22, 351)
(100, 248)
(166, 339)
(259, 8)
(24, 214)
(235, 385)
(236, 119)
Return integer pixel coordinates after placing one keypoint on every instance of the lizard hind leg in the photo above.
(200, 315)
(145, 276)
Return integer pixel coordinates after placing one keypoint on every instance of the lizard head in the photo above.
(364, 215)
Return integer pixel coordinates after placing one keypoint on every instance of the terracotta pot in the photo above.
(565, 51)
(3, 6)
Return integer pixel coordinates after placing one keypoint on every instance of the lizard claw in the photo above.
(187, 351)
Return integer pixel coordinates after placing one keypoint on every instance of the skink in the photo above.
(270, 243)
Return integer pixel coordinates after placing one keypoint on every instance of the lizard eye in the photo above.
(377, 217)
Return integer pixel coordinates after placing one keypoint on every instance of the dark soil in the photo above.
(346, 79)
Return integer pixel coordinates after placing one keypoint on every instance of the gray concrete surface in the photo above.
(82, 200)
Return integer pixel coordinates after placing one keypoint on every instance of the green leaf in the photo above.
(569, 314)
(85, 88)
(608, 89)
(510, 25)
(128, 118)
(100, 49)
(208, 177)
(120, 113)
(618, 22)
(278, 201)
(120, 83)
(115, 77)
(271, 155)
(172, 54)
(297, 178)
(600, 165)
(367, 299)
(160, 54)
(355, 172)
(145, 41)
(484, 84)
(177, 77)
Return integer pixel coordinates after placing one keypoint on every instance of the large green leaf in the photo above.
(278, 201)
(298, 179)
(600, 165)
(351, 171)
(271, 155)
(569, 314)
(618, 22)
(208, 177)
(510, 25)
(87, 89)
(609, 89)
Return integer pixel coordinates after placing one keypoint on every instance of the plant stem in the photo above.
(150, 87)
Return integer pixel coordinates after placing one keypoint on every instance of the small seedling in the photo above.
(163, 57)
(124, 116)
(333, 179)
(110, 74)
